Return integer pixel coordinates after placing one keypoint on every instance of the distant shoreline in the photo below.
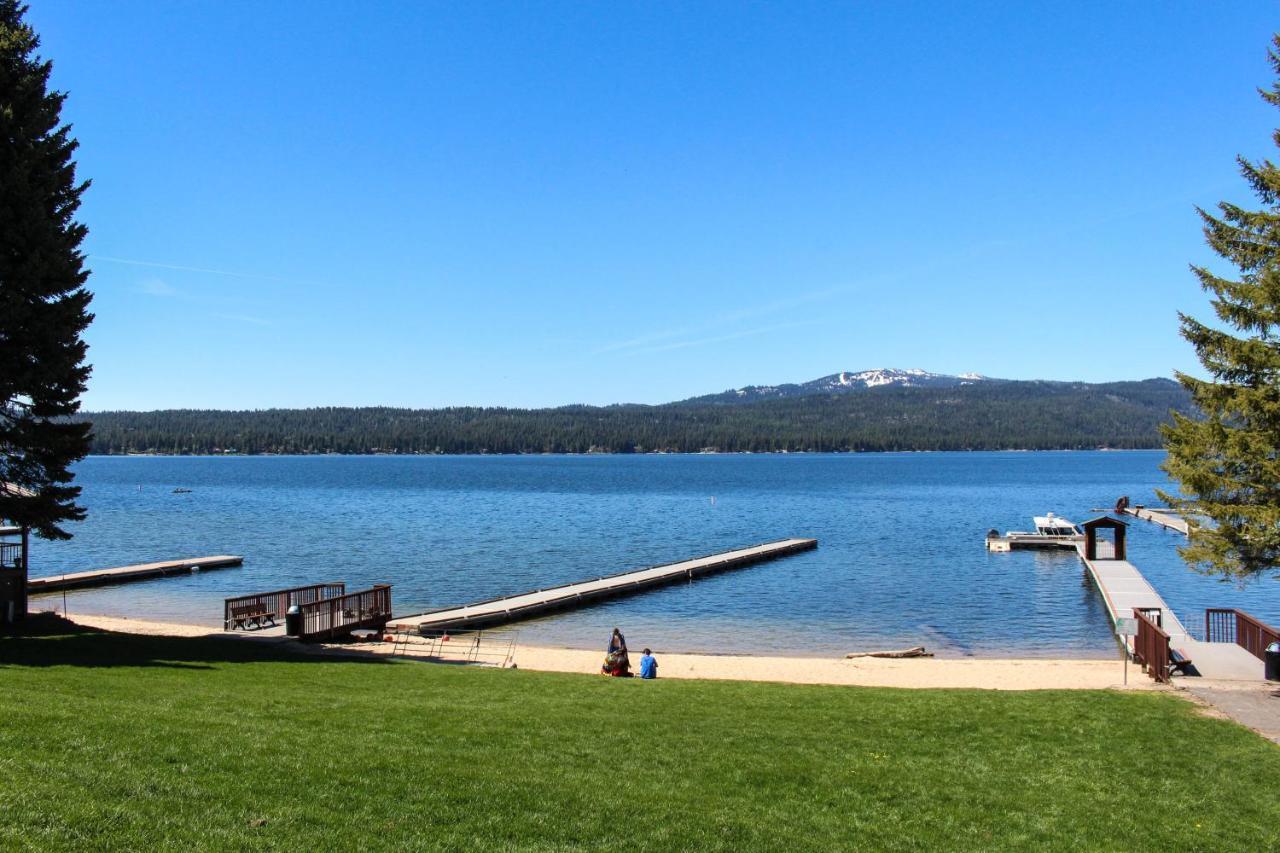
(984, 416)
(159, 455)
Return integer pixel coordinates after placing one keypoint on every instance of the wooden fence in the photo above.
(1151, 645)
(1228, 625)
(333, 617)
(281, 600)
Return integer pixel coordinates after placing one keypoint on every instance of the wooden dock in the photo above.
(124, 574)
(1164, 518)
(1123, 588)
(512, 608)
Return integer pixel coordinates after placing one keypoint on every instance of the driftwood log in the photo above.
(913, 652)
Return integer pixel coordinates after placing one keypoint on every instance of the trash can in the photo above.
(1273, 662)
(293, 621)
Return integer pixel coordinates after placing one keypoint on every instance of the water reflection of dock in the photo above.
(511, 608)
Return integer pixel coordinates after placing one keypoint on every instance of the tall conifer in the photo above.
(1228, 462)
(43, 301)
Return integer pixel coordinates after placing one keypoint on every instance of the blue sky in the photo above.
(429, 204)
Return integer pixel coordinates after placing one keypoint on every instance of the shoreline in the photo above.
(211, 454)
(52, 601)
(912, 673)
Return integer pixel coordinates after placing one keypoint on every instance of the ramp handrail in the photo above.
(1151, 645)
(330, 617)
(279, 601)
(1229, 625)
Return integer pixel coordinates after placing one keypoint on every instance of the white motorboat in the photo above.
(1052, 531)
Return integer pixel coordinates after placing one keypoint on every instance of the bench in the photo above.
(251, 615)
(1178, 661)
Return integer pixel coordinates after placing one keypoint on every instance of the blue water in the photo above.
(900, 562)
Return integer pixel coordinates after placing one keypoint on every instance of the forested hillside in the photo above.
(982, 416)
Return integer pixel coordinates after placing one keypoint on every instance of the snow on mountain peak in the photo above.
(907, 378)
(851, 381)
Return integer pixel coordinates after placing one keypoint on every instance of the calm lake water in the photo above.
(900, 562)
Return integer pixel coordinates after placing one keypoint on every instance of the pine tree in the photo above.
(43, 301)
(1228, 462)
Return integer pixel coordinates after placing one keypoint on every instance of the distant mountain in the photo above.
(844, 383)
(891, 410)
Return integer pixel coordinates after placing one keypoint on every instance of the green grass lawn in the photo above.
(112, 741)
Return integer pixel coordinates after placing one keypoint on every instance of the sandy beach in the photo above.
(979, 673)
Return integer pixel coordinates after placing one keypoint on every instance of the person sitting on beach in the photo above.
(648, 665)
(616, 662)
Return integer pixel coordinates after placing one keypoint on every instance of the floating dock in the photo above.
(1162, 517)
(124, 574)
(512, 608)
(1030, 542)
(1123, 588)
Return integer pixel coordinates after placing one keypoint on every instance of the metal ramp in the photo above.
(496, 648)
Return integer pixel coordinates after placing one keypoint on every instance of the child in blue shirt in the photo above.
(648, 665)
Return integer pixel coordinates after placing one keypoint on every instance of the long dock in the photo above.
(123, 574)
(512, 608)
(1164, 518)
(1123, 588)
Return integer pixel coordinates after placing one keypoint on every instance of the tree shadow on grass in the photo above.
(46, 639)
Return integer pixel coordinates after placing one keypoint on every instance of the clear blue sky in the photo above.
(429, 204)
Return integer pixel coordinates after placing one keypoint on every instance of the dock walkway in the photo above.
(122, 574)
(1164, 518)
(1124, 588)
(499, 611)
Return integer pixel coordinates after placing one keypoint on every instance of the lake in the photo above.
(900, 561)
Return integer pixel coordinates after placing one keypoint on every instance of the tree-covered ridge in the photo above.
(997, 416)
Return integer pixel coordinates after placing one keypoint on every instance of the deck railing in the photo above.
(281, 600)
(1155, 614)
(1228, 625)
(10, 555)
(1151, 645)
(331, 617)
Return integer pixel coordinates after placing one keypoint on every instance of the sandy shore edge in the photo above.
(920, 673)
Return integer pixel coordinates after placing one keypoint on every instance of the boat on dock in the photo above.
(1052, 531)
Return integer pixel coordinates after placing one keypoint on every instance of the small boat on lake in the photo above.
(181, 491)
(1051, 531)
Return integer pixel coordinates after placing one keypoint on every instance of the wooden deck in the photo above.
(512, 608)
(124, 574)
(1164, 518)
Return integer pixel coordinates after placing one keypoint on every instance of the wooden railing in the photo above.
(1151, 645)
(1155, 614)
(332, 617)
(278, 602)
(10, 555)
(1228, 625)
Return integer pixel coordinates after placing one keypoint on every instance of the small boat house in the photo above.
(1104, 550)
